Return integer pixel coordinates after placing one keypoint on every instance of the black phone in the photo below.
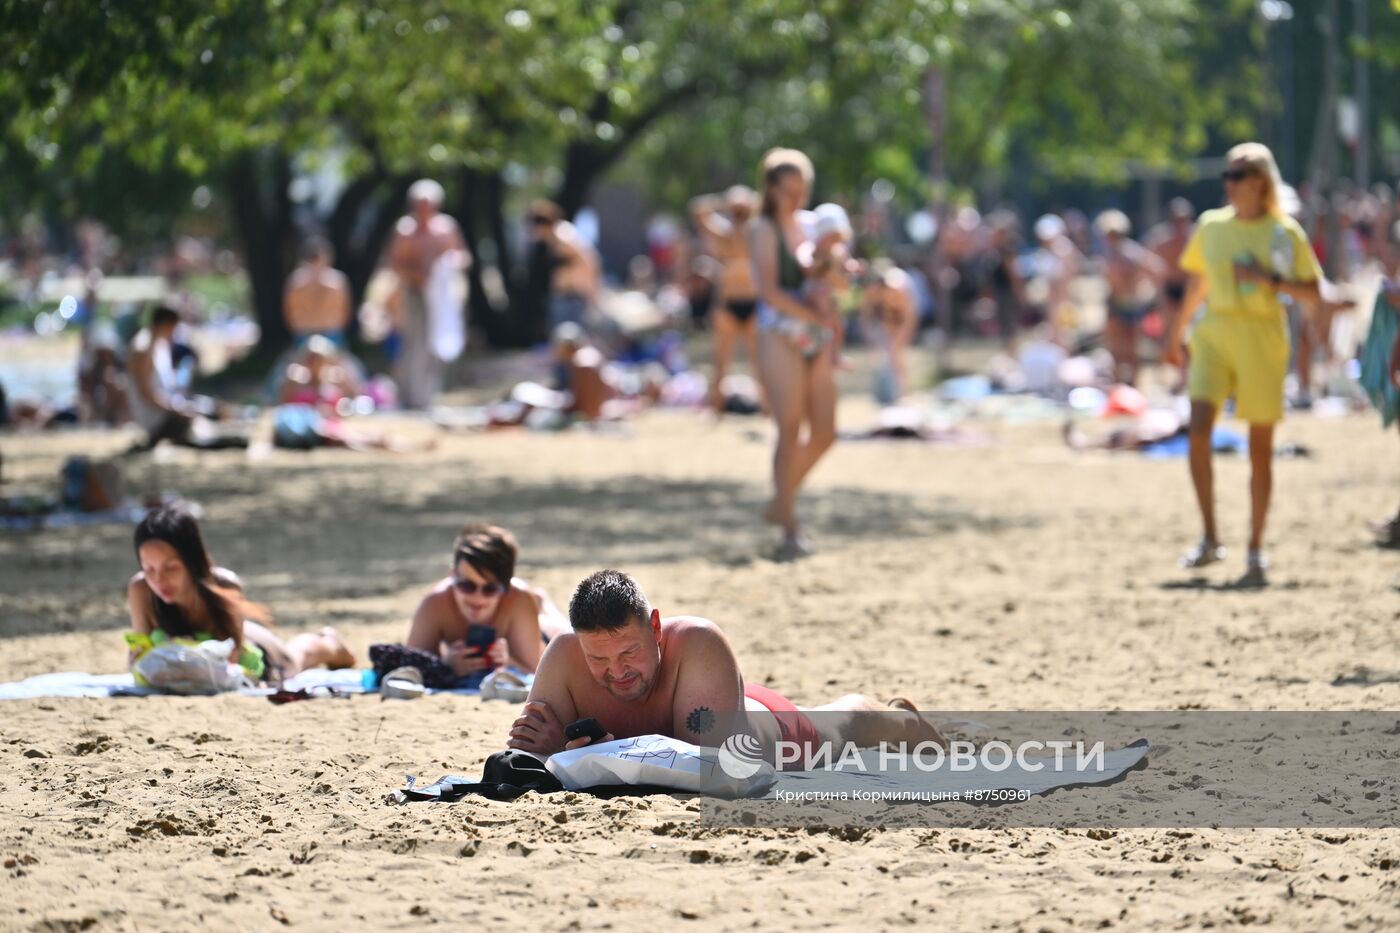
(582, 728)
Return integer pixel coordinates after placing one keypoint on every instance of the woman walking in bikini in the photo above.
(795, 362)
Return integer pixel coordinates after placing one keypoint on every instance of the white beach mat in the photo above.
(656, 760)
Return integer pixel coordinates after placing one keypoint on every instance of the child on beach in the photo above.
(830, 269)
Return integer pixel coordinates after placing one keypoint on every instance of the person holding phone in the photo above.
(482, 616)
(624, 671)
(1242, 260)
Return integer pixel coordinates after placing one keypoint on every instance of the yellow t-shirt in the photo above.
(1277, 244)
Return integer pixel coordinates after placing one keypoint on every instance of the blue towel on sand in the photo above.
(1223, 440)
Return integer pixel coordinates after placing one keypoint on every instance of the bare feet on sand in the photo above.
(338, 656)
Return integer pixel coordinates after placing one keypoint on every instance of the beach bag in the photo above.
(437, 673)
(91, 485)
(513, 772)
(505, 776)
(201, 669)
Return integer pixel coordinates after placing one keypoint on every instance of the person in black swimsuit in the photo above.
(742, 309)
(1132, 273)
(724, 224)
(1167, 241)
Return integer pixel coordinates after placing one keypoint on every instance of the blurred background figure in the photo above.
(1057, 261)
(317, 301)
(575, 277)
(1168, 241)
(159, 397)
(724, 222)
(422, 238)
(1133, 274)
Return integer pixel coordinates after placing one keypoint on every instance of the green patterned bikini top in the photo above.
(250, 658)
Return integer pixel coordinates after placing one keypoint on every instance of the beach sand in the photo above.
(1015, 575)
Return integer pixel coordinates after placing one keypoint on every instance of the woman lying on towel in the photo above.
(180, 594)
(319, 391)
(479, 618)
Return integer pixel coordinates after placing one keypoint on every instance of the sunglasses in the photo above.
(1237, 174)
(471, 587)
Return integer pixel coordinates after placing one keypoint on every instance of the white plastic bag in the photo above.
(191, 670)
(661, 761)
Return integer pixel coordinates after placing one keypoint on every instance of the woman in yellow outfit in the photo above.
(1242, 260)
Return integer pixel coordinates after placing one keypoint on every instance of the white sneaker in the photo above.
(502, 684)
(1255, 570)
(402, 683)
(1203, 554)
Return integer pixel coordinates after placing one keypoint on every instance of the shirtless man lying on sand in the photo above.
(639, 674)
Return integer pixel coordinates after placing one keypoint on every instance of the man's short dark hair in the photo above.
(489, 550)
(545, 212)
(607, 601)
(317, 247)
(164, 315)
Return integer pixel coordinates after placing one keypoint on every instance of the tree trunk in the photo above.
(506, 320)
(263, 214)
(361, 223)
(583, 163)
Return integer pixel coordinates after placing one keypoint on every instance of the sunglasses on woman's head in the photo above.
(471, 587)
(1236, 174)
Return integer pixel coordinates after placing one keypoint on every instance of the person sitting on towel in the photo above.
(639, 674)
(480, 617)
(179, 594)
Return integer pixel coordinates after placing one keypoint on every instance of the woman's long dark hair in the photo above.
(771, 177)
(225, 607)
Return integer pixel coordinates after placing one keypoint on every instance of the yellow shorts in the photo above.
(1242, 356)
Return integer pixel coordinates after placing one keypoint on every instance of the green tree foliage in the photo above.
(165, 94)
(1078, 87)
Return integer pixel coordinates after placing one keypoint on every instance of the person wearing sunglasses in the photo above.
(482, 616)
(1243, 259)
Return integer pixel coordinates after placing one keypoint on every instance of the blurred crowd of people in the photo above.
(1067, 278)
(1064, 278)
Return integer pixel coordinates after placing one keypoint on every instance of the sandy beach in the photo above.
(1012, 575)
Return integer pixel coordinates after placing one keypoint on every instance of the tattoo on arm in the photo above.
(700, 720)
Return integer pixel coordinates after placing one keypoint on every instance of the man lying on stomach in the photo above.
(639, 674)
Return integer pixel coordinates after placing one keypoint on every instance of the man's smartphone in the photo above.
(584, 728)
